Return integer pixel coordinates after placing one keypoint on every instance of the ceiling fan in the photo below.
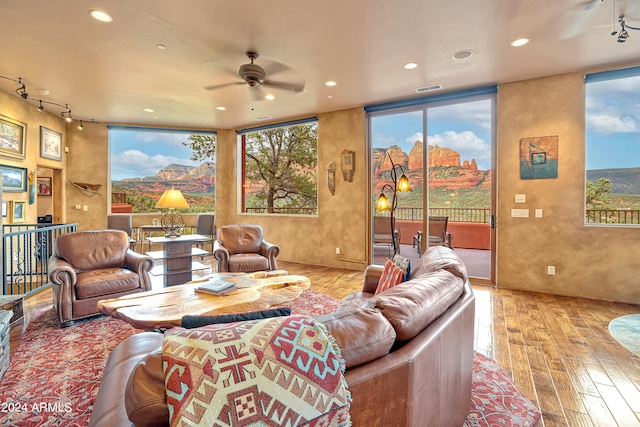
(575, 23)
(257, 77)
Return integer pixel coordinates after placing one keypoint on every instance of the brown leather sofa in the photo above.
(89, 266)
(242, 248)
(408, 354)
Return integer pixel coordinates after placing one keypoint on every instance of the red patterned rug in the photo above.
(53, 377)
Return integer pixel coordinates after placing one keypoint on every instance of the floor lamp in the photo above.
(382, 204)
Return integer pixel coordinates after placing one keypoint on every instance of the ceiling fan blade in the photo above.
(295, 87)
(257, 94)
(274, 67)
(220, 86)
(578, 18)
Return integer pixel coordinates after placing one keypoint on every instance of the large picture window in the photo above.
(612, 137)
(279, 169)
(145, 162)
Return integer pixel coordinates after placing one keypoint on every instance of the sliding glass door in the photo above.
(444, 147)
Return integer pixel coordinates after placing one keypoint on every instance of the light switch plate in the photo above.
(538, 213)
(520, 213)
(521, 198)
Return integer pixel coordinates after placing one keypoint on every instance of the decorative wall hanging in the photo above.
(32, 188)
(331, 177)
(50, 144)
(88, 189)
(19, 211)
(348, 165)
(14, 179)
(539, 157)
(44, 186)
(12, 137)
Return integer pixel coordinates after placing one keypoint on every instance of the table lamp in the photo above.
(172, 221)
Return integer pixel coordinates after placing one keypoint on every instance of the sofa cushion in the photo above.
(412, 305)
(145, 398)
(440, 258)
(95, 249)
(391, 276)
(363, 334)
(189, 321)
(236, 374)
(247, 262)
(105, 282)
(357, 300)
(404, 263)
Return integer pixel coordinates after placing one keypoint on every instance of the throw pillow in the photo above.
(189, 322)
(391, 276)
(283, 370)
(404, 263)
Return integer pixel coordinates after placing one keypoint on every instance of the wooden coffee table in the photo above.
(165, 307)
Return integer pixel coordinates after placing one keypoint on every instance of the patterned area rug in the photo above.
(626, 330)
(53, 377)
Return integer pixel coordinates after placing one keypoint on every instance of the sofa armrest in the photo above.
(141, 264)
(270, 251)
(371, 277)
(61, 273)
(221, 255)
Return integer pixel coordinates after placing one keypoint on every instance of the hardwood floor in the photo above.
(557, 349)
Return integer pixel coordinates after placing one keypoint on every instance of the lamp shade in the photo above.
(382, 204)
(172, 199)
(403, 184)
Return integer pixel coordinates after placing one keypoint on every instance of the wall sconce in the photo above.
(172, 222)
(400, 185)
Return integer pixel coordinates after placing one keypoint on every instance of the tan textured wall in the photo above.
(342, 218)
(16, 108)
(88, 162)
(592, 262)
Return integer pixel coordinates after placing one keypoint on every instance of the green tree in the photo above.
(597, 194)
(283, 161)
(203, 147)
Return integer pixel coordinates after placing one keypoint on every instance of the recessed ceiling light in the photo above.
(221, 108)
(410, 66)
(270, 97)
(330, 96)
(100, 16)
(161, 46)
(149, 110)
(463, 54)
(156, 117)
(520, 42)
(331, 83)
(43, 92)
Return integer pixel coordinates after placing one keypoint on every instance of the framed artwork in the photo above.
(14, 179)
(539, 157)
(44, 186)
(12, 137)
(5, 209)
(50, 144)
(19, 211)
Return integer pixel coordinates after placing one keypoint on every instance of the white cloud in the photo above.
(467, 144)
(383, 140)
(135, 163)
(410, 140)
(606, 123)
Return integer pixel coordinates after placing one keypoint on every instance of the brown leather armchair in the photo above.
(89, 266)
(242, 248)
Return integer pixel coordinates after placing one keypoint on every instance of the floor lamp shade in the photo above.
(172, 221)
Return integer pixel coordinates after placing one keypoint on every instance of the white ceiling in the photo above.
(112, 72)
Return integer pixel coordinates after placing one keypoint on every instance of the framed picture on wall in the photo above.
(44, 186)
(50, 144)
(12, 137)
(19, 212)
(14, 179)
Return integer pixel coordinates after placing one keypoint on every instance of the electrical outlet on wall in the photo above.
(337, 251)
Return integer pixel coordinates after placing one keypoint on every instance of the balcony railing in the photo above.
(474, 215)
(26, 249)
(612, 216)
(284, 211)
(119, 198)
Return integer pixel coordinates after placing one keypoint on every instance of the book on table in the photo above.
(217, 287)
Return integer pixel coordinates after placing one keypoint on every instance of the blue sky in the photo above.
(465, 128)
(140, 153)
(613, 124)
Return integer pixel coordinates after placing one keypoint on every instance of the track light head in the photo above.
(80, 126)
(41, 107)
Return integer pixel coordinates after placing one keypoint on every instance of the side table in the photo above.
(5, 343)
(176, 256)
(13, 303)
